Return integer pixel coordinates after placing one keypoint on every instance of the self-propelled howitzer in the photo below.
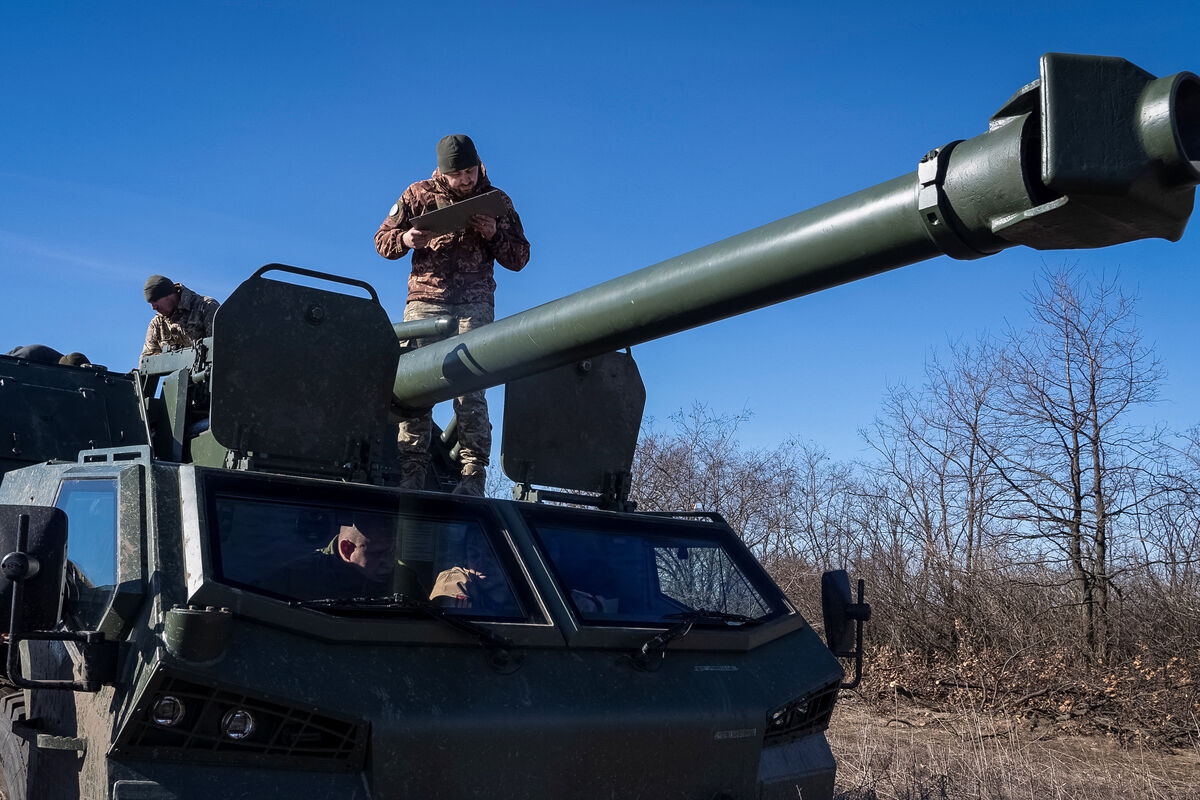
(186, 615)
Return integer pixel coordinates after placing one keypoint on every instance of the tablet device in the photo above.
(454, 217)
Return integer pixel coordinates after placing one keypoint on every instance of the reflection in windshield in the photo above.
(309, 552)
(649, 574)
(477, 583)
(703, 577)
(91, 508)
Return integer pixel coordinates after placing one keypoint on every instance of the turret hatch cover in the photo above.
(573, 426)
(299, 372)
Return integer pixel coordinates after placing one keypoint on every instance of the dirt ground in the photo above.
(912, 753)
(917, 754)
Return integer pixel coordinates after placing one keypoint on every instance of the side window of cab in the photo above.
(91, 509)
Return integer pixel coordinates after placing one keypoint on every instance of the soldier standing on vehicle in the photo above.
(183, 317)
(452, 275)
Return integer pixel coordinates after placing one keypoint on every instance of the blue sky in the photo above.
(203, 140)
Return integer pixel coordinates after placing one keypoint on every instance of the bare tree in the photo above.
(933, 472)
(1167, 538)
(700, 464)
(1060, 433)
(1015, 490)
(791, 504)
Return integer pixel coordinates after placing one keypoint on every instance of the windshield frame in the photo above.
(117, 612)
(202, 487)
(582, 632)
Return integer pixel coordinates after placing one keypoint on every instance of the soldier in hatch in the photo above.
(38, 353)
(183, 317)
(452, 276)
(41, 354)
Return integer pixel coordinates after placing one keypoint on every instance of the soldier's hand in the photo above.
(416, 239)
(484, 226)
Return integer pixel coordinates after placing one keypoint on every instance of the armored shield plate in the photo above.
(300, 373)
(570, 427)
(50, 411)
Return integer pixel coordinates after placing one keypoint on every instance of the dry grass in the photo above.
(910, 753)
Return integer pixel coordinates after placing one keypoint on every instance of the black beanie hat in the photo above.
(74, 360)
(456, 152)
(157, 287)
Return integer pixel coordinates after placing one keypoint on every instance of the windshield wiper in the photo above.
(381, 601)
(499, 648)
(707, 615)
(657, 645)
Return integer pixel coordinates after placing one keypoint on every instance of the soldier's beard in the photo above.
(462, 191)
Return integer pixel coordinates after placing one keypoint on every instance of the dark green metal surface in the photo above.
(50, 411)
(553, 418)
(266, 335)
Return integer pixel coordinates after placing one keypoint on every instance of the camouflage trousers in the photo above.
(474, 428)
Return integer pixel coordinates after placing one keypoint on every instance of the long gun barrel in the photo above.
(1094, 153)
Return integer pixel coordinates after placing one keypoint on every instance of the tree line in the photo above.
(1029, 537)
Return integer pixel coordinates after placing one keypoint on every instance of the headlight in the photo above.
(777, 720)
(167, 711)
(802, 716)
(237, 724)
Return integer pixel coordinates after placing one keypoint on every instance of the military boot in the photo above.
(474, 481)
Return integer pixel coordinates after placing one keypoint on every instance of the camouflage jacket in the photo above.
(455, 267)
(191, 321)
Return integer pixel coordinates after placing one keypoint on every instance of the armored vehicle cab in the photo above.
(611, 654)
(217, 590)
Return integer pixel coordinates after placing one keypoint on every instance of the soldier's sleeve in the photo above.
(389, 241)
(153, 343)
(509, 245)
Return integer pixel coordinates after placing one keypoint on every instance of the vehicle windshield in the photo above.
(302, 549)
(656, 571)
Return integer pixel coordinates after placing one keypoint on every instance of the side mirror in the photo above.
(844, 619)
(39, 564)
(34, 541)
